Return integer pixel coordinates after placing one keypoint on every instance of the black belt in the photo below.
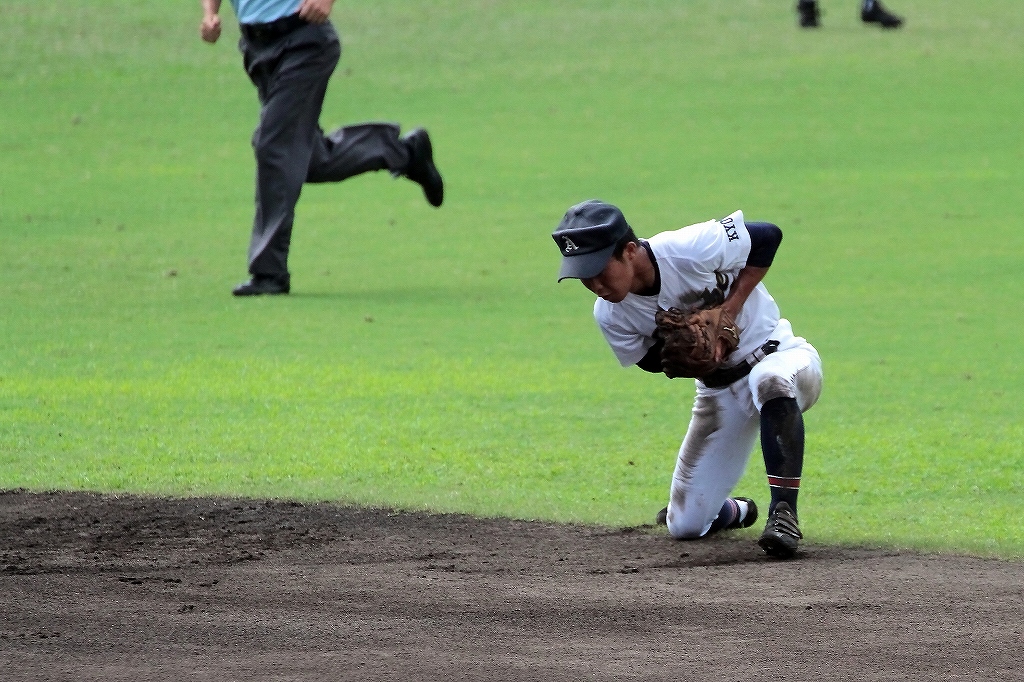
(728, 375)
(273, 30)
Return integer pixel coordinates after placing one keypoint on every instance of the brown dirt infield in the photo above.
(99, 587)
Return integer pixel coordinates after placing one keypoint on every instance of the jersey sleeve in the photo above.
(721, 245)
(628, 343)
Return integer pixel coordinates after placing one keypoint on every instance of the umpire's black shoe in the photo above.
(782, 534)
(260, 285)
(874, 13)
(808, 11)
(421, 166)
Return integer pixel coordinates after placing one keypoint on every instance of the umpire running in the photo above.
(290, 50)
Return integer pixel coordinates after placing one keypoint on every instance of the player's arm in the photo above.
(209, 29)
(764, 242)
(652, 361)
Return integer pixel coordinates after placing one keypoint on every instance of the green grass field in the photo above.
(427, 359)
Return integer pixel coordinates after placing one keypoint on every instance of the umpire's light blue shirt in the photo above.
(263, 11)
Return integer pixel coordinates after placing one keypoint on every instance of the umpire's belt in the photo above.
(728, 375)
(271, 31)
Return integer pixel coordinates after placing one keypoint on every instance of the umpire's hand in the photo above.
(209, 30)
(316, 11)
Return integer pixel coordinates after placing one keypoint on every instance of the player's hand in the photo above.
(316, 11)
(732, 306)
(209, 30)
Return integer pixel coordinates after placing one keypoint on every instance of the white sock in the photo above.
(744, 508)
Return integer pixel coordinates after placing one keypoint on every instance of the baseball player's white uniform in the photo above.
(697, 265)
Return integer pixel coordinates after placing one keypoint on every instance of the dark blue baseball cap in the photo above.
(587, 237)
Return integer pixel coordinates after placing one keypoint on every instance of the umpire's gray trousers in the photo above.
(290, 75)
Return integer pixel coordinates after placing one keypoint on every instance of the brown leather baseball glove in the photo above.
(691, 340)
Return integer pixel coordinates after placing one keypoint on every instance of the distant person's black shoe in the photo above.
(259, 286)
(421, 168)
(808, 11)
(873, 13)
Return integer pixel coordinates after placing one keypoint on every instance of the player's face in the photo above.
(614, 282)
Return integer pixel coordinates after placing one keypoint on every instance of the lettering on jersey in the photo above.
(730, 228)
(569, 245)
(709, 298)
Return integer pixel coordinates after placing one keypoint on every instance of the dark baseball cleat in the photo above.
(748, 519)
(874, 13)
(662, 518)
(782, 534)
(808, 11)
(259, 286)
(421, 168)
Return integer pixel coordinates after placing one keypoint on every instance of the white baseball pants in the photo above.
(725, 425)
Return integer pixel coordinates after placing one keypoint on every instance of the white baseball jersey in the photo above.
(698, 265)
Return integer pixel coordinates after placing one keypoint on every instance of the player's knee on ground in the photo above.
(685, 526)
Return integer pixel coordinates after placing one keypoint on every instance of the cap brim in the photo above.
(586, 265)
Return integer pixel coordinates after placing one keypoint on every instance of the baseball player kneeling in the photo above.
(690, 303)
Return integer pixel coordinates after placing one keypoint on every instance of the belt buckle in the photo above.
(763, 351)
